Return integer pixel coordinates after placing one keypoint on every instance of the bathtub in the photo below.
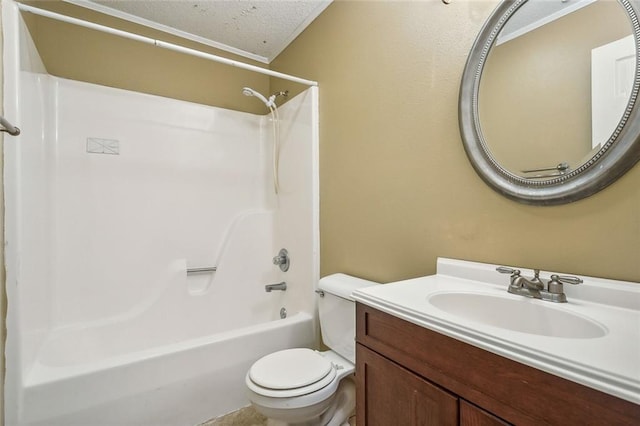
(179, 355)
(183, 383)
(105, 326)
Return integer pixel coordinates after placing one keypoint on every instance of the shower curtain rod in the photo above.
(165, 45)
(8, 127)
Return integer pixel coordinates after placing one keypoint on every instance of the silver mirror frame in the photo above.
(618, 155)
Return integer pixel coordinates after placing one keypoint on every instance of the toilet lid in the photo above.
(290, 369)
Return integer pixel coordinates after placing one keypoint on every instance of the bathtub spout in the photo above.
(280, 286)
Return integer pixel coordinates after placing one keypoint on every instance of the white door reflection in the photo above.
(613, 67)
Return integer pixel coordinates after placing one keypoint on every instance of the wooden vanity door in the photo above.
(391, 395)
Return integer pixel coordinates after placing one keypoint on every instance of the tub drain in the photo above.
(283, 313)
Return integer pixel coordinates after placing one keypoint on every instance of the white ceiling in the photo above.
(256, 29)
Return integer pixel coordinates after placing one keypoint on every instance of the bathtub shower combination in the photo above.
(119, 206)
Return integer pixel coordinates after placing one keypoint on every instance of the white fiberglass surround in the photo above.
(103, 320)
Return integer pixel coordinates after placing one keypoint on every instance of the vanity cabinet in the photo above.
(409, 375)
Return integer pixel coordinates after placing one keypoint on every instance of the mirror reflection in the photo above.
(555, 85)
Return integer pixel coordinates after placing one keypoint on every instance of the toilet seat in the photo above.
(290, 373)
(289, 369)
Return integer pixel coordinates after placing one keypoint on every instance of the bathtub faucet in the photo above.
(280, 286)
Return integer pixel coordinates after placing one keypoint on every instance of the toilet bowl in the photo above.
(298, 386)
(303, 387)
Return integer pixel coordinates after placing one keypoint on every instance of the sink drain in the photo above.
(283, 313)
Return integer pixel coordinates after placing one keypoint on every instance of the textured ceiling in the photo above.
(257, 29)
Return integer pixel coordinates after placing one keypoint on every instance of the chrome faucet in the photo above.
(522, 286)
(536, 288)
(280, 286)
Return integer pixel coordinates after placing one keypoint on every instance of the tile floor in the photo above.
(244, 417)
(248, 417)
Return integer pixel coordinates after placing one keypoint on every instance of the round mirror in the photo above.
(548, 99)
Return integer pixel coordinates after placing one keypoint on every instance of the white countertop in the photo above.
(610, 363)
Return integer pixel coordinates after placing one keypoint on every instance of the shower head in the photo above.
(248, 91)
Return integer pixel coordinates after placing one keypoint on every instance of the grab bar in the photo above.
(562, 167)
(201, 270)
(559, 170)
(8, 127)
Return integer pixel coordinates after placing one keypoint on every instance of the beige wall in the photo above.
(397, 190)
(78, 53)
(396, 187)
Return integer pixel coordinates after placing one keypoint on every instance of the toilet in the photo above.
(303, 387)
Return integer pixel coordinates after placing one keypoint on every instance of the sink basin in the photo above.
(522, 314)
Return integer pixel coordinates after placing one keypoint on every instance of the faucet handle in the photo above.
(566, 279)
(505, 270)
(556, 288)
(282, 260)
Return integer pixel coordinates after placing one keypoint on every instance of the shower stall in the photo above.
(140, 235)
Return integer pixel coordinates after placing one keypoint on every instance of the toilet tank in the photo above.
(337, 310)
